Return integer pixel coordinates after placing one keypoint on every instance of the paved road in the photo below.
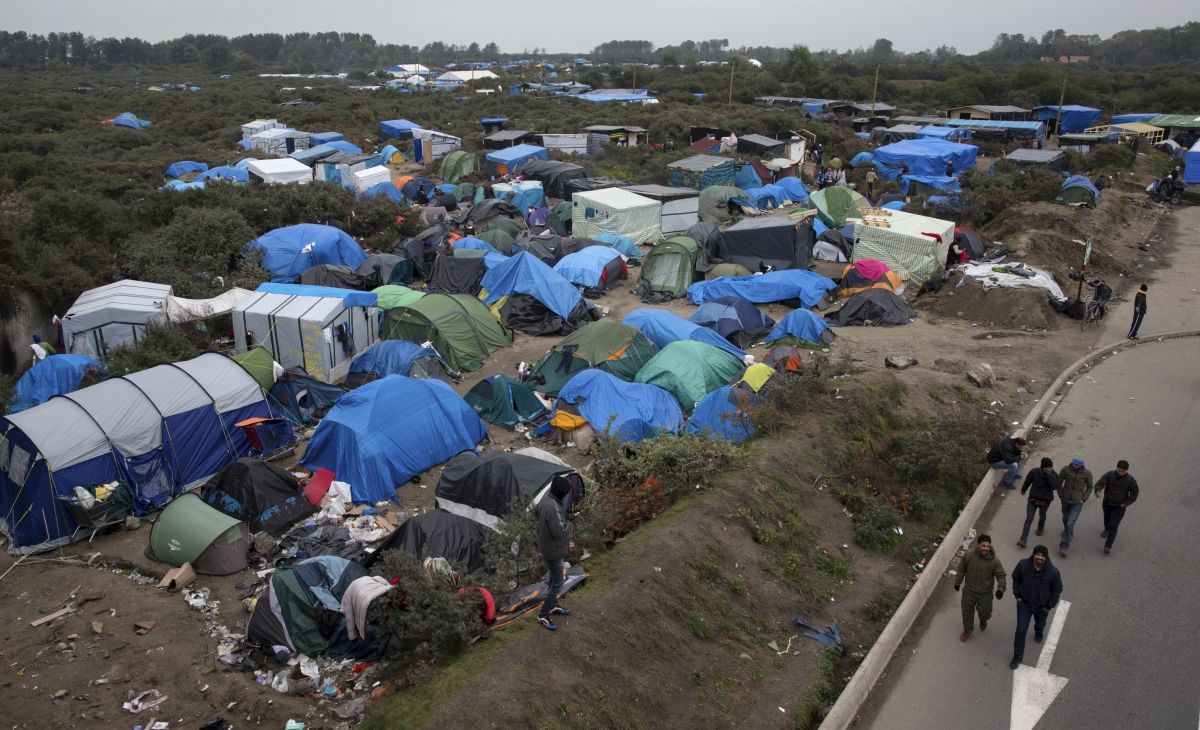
(1130, 645)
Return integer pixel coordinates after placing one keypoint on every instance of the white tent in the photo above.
(680, 206)
(365, 179)
(616, 210)
(430, 145)
(249, 129)
(284, 170)
(111, 316)
(280, 141)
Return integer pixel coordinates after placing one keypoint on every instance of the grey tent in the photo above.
(553, 175)
(485, 488)
(872, 307)
(113, 316)
(777, 242)
(457, 274)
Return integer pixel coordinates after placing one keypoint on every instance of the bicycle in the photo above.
(1093, 314)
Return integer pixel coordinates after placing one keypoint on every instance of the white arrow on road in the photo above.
(1035, 688)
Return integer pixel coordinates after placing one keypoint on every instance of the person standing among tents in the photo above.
(1139, 311)
(41, 349)
(949, 168)
(1074, 490)
(552, 544)
(872, 177)
(1041, 485)
(983, 573)
(1007, 455)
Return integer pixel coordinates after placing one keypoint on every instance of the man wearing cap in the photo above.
(1037, 586)
(1075, 489)
(1120, 490)
(983, 573)
(1041, 484)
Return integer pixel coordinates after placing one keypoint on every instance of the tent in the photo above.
(510, 161)
(720, 270)
(302, 399)
(618, 349)
(783, 358)
(924, 157)
(130, 120)
(280, 172)
(680, 206)
(460, 327)
(486, 488)
(183, 167)
(228, 174)
(719, 415)
(190, 531)
(553, 175)
(379, 436)
(551, 304)
(616, 210)
(834, 205)
(161, 431)
(806, 287)
(801, 327)
(875, 307)
(391, 296)
(268, 498)
(689, 370)
(662, 328)
(502, 401)
(913, 246)
(395, 357)
(437, 534)
(384, 269)
(593, 268)
(55, 375)
(457, 166)
(1078, 190)
(701, 171)
(716, 203)
(397, 129)
(261, 366)
(754, 377)
(969, 239)
(777, 242)
(1073, 118)
(629, 411)
(288, 251)
(866, 274)
(317, 328)
(459, 274)
(111, 316)
(333, 275)
(737, 320)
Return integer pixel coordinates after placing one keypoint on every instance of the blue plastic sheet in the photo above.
(183, 167)
(623, 244)
(349, 297)
(585, 267)
(662, 328)
(288, 251)
(629, 411)
(924, 157)
(56, 375)
(773, 286)
(391, 357)
(718, 416)
(527, 274)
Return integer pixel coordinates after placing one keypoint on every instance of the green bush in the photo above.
(198, 247)
(1109, 158)
(158, 345)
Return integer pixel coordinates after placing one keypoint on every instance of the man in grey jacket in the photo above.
(553, 544)
(1075, 489)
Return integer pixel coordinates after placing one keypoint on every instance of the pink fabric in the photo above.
(873, 269)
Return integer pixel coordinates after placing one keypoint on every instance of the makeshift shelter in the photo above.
(1070, 118)
(866, 274)
(190, 531)
(302, 399)
(334, 276)
(459, 274)
(429, 146)
(266, 497)
(616, 210)
(595, 268)
(689, 370)
(539, 300)
(457, 166)
(1054, 159)
(554, 176)
(317, 328)
(1078, 190)
(718, 203)
(128, 119)
(384, 269)
(735, 319)
(783, 359)
(662, 328)
(701, 171)
(280, 172)
(969, 239)
(584, 184)
(912, 246)
(629, 411)
(1191, 162)
(437, 534)
(836, 204)
(802, 327)
(873, 307)
(924, 157)
(184, 167)
(761, 145)
(767, 242)
(55, 375)
(340, 167)
(397, 129)
(486, 488)
(680, 206)
(395, 357)
(114, 315)
(288, 251)
(929, 185)
(509, 161)
(506, 138)
(624, 245)
(364, 180)
(227, 174)
(719, 415)
(502, 401)
(393, 296)
(618, 349)
(805, 287)
(462, 329)
(379, 436)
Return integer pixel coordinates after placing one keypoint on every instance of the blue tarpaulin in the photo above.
(472, 243)
(391, 357)
(943, 132)
(349, 297)
(56, 375)
(1127, 118)
(586, 266)
(181, 185)
(1074, 118)
(288, 251)
(624, 244)
(379, 436)
(717, 415)
(386, 189)
(794, 188)
(924, 157)
(941, 183)
(746, 177)
(397, 128)
(662, 328)
(773, 286)
(1191, 161)
(629, 411)
(183, 167)
(862, 158)
(512, 158)
(229, 174)
(802, 325)
(129, 119)
(527, 274)
(315, 138)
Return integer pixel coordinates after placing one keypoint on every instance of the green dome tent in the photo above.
(836, 204)
(502, 401)
(391, 296)
(720, 270)
(258, 362)
(190, 531)
(618, 349)
(461, 328)
(669, 269)
(690, 370)
(499, 239)
(457, 165)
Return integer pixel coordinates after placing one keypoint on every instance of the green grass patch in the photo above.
(810, 706)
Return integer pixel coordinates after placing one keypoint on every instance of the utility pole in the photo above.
(731, 67)
(1061, 98)
(875, 90)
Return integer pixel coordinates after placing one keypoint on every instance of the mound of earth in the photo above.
(1022, 309)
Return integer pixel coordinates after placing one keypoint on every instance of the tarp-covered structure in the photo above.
(689, 370)
(719, 415)
(616, 210)
(288, 251)
(55, 375)
(285, 171)
(873, 307)
(268, 498)
(924, 157)
(719, 203)
(801, 327)
(509, 161)
(114, 315)
(776, 242)
(735, 319)
(486, 488)
(680, 206)
(595, 268)
(437, 534)
(160, 431)
(629, 411)
(384, 433)
(183, 167)
(701, 171)
(539, 300)
(1071, 118)
(836, 204)
(913, 246)
(397, 129)
(1078, 190)
(619, 349)
(662, 328)
(554, 175)
(462, 329)
(395, 357)
(805, 287)
(503, 401)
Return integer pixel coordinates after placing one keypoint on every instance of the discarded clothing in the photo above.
(825, 634)
(357, 599)
(991, 276)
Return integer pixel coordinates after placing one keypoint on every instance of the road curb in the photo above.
(858, 689)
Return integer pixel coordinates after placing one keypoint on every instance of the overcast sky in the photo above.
(576, 25)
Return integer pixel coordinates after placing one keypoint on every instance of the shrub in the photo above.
(159, 344)
(1106, 158)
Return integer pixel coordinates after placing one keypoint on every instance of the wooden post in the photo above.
(731, 67)
(875, 90)
(1061, 97)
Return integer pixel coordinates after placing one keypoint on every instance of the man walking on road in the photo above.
(1074, 490)
(1120, 490)
(1007, 455)
(1037, 586)
(1041, 485)
(983, 573)
(1139, 311)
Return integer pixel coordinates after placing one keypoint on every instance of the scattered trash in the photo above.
(785, 650)
(657, 569)
(144, 627)
(59, 694)
(293, 725)
(825, 634)
(197, 599)
(179, 578)
(149, 699)
(97, 627)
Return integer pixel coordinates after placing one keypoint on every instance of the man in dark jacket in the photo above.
(983, 573)
(1041, 485)
(1007, 455)
(552, 544)
(1139, 311)
(1037, 586)
(1075, 489)
(1120, 490)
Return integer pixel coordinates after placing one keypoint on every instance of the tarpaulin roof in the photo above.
(512, 157)
(393, 357)
(718, 415)
(924, 157)
(485, 488)
(662, 328)
(527, 274)
(941, 183)
(774, 286)
(630, 411)
(384, 433)
(183, 167)
(794, 187)
(802, 325)
(1182, 121)
(689, 370)
(349, 297)
(1074, 118)
(585, 266)
(288, 251)
(56, 375)
(229, 174)
(397, 128)
(1124, 118)
(129, 119)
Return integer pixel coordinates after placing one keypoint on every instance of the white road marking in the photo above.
(1034, 688)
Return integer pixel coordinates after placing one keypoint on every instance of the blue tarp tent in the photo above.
(943, 132)
(396, 357)
(471, 243)
(288, 251)
(737, 320)
(183, 167)
(129, 119)
(662, 328)
(527, 274)
(397, 129)
(381, 435)
(316, 138)
(349, 297)
(717, 415)
(624, 244)
(773, 286)
(1074, 118)
(924, 157)
(745, 177)
(386, 189)
(56, 375)
(1191, 161)
(808, 328)
(586, 266)
(862, 158)
(794, 188)
(512, 158)
(766, 197)
(629, 411)
(940, 183)
(1127, 118)
(229, 174)
(161, 431)
(181, 185)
